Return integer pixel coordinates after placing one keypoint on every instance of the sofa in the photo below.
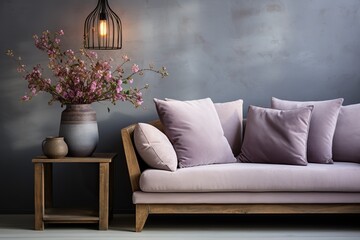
(251, 182)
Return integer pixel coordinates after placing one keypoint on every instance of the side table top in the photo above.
(95, 158)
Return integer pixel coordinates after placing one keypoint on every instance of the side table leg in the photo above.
(103, 196)
(111, 190)
(39, 195)
(48, 178)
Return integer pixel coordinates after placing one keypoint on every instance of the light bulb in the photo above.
(102, 28)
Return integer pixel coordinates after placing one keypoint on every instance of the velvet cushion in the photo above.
(231, 119)
(154, 147)
(276, 136)
(322, 127)
(346, 144)
(195, 131)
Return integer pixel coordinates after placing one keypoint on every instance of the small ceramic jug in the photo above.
(54, 147)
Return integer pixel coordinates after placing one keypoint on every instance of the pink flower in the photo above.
(21, 68)
(61, 32)
(93, 87)
(121, 97)
(57, 40)
(71, 93)
(70, 53)
(93, 54)
(106, 65)
(118, 86)
(56, 71)
(135, 68)
(77, 80)
(65, 95)
(118, 89)
(25, 98)
(99, 74)
(131, 81)
(108, 76)
(139, 102)
(36, 72)
(125, 58)
(58, 88)
(79, 94)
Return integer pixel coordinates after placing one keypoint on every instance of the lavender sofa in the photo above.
(241, 188)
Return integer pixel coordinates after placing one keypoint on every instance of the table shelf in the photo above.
(54, 215)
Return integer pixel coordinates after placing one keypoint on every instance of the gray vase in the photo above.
(79, 128)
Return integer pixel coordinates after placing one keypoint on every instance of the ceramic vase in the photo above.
(79, 128)
(54, 147)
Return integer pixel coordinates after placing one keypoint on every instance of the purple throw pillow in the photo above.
(194, 129)
(322, 127)
(346, 144)
(276, 136)
(231, 119)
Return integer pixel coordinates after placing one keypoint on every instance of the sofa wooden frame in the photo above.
(143, 210)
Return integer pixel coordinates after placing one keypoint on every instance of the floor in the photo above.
(189, 227)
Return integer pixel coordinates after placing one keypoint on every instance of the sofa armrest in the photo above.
(130, 156)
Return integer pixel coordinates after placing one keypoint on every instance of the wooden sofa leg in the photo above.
(142, 213)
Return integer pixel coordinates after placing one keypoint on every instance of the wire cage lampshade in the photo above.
(102, 28)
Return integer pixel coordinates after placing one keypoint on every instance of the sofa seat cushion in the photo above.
(255, 177)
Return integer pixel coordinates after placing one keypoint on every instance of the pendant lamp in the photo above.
(102, 28)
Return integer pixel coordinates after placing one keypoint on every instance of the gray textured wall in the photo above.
(228, 49)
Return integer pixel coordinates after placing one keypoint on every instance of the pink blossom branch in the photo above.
(81, 77)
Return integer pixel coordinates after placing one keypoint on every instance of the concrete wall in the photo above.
(226, 50)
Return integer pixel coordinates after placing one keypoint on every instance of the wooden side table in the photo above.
(44, 211)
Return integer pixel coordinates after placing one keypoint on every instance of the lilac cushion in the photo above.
(322, 127)
(346, 144)
(276, 136)
(231, 119)
(154, 147)
(194, 129)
